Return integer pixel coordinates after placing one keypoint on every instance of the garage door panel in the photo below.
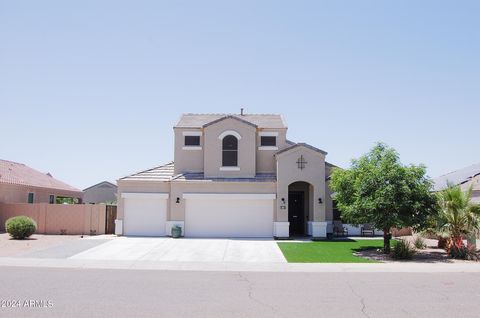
(229, 218)
(145, 216)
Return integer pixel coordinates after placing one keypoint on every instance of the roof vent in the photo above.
(48, 174)
(241, 111)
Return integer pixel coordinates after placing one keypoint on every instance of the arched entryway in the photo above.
(300, 207)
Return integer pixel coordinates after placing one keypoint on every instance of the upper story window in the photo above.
(268, 141)
(192, 141)
(230, 151)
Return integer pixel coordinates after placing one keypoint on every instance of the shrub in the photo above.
(444, 242)
(403, 250)
(20, 227)
(458, 250)
(419, 243)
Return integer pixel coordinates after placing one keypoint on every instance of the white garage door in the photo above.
(229, 215)
(145, 214)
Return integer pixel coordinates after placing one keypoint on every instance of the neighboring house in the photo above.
(103, 192)
(465, 178)
(233, 176)
(22, 184)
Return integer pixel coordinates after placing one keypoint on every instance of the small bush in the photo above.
(20, 227)
(458, 250)
(444, 242)
(419, 243)
(402, 250)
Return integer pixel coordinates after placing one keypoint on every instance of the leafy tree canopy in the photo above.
(380, 190)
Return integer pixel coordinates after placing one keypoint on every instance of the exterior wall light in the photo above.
(178, 200)
(320, 201)
(283, 200)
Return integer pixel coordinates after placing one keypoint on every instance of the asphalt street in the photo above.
(60, 292)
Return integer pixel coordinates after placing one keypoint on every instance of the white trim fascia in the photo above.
(192, 133)
(229, 132)
(192, 148)
(267, 148)
(144, 195)
(229, 168)
(268, 134)
(230, 196)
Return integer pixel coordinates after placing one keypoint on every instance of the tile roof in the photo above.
(20, 174)
(259, 120)
(166, 173)
(159, 173)
(301, 144)
(101, 184)
(457, 177)
(260, 177)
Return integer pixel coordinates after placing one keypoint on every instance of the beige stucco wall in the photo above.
(176, 211)
(11, 193)
(53, 218)
(140, 187)
(187, 160)
(246, 149)
(265, 159)
(313, 173)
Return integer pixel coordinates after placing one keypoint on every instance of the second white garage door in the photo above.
(229, 215)
(145, 214)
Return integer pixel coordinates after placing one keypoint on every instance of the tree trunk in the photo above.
(386, 241)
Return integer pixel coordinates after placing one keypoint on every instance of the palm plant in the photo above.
(458, 216)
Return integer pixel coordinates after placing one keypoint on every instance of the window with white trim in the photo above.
(192, 141)
(268, 141)
(229, 151)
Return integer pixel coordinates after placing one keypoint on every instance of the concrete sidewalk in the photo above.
(244, 266)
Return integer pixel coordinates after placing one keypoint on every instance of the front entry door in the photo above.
(296, 213)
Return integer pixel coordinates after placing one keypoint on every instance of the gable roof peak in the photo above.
(236, 117)
(301, 144)
(191, 120)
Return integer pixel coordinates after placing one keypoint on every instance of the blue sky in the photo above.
(90, 90)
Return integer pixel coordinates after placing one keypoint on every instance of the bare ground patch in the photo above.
(431, 254)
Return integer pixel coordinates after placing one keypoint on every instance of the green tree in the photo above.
(379, 190)
(458, 216)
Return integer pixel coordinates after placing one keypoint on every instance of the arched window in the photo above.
(230, 151)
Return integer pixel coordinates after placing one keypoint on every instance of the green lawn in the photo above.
(327, 251)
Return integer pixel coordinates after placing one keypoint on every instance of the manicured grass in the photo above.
(328, 251)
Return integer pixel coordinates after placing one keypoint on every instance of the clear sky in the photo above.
(90, 90)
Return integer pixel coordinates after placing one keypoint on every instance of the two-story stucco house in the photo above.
(232, 176)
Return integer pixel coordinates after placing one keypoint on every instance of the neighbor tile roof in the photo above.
(20, 174)
(100, 184)
(259, 120)
(457, 177)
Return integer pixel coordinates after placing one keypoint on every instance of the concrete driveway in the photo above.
(186, 250)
